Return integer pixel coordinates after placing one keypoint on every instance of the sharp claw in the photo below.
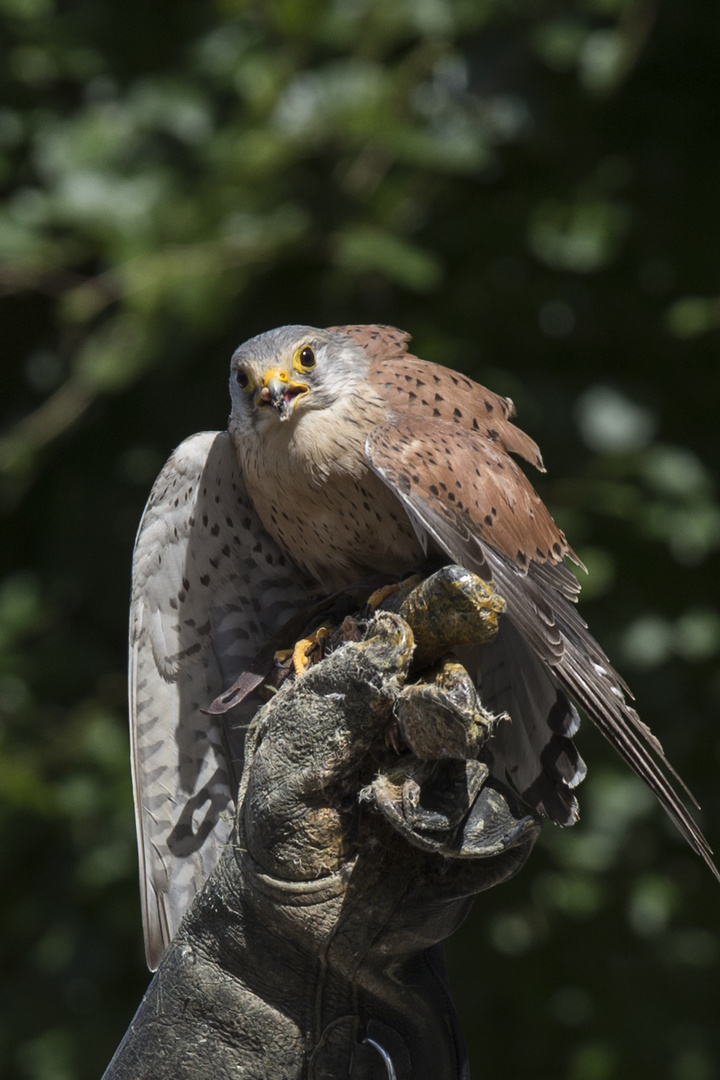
(304, 652)
(375, 599)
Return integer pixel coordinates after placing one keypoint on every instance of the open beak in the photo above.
(280, 392)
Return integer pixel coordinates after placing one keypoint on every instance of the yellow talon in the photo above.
(304, 649)
(375, 599)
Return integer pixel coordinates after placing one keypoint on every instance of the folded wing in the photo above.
(209, 588)
(464, 493)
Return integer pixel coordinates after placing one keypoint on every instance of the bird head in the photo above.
(280, 374)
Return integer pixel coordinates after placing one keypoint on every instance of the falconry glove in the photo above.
(367, 821)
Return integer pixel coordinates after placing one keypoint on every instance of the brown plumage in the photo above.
(363, 409)
(347, 456)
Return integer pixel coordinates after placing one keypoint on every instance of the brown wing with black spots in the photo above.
(471, 484)
(379, 342)
(477, 505)
(406, 382)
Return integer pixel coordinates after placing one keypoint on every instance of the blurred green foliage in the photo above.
(531, 189)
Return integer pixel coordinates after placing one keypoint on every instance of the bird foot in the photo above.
(376, 599)
(305, 652)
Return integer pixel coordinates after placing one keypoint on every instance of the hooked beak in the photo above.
(280, 392)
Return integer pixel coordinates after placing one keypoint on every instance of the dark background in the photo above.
(532, 189)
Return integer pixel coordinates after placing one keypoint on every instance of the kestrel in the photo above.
(346, 456)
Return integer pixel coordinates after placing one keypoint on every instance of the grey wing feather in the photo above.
(209, 587)
(538, 753)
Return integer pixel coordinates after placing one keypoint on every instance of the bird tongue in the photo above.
(284, 402)
(281, 396)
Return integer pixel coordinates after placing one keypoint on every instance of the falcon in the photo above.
(347, 457)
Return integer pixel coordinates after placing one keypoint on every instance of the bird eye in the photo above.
(242, 379)
(305, 358)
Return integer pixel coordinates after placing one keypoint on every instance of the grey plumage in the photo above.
(209, 587)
